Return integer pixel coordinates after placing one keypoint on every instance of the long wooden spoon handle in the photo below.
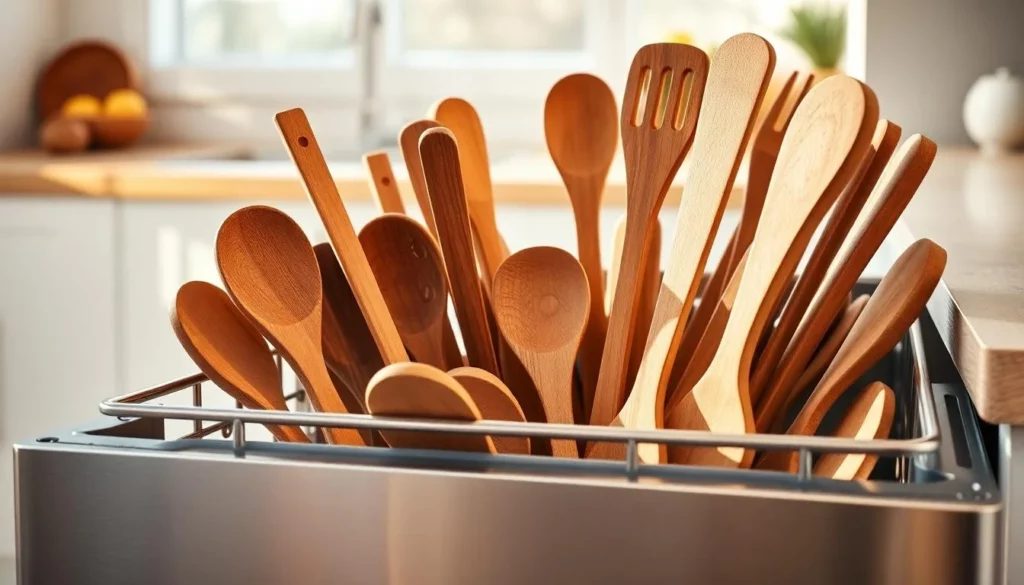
(382, 183)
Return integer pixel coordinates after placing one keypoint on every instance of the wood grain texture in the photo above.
(230, 351)
(541, 303)
(840, 221)
(495, 402)
(650, 288)
(735, 87)
(443, 175)
(893, 191)
(615, 263)
(653, 151)
(868, 418)
(270, 271)
(382, 183)
(409, 143)
(828, 138)
(305, 152)
(889, 313)
(460, 117)
(580, 127)
(407, 265)
(412, 390)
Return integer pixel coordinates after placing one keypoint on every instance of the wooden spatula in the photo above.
(841, 219)
(869, 417)
(888, 199)
(657, 129)
(828, 138)
(541, 302)
(616, 261)
(271, 273)
(382, 183)
(409, 142)
(421, 391)
(892, 309)
(443, 175)
(736, 83)
(230, 351)
(322, 191)
(408, 268)
(461, 118)
(581, 128)
(495, 402)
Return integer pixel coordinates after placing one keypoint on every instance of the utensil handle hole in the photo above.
(303, 141)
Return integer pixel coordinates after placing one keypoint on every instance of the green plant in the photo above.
(820, 31)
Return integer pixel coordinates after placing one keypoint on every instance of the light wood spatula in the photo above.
(828, 137)
(495, 402)
(869, 417)
(230, 351)
(382, 183)
(657, 129)
(891, 310)
(409, 142)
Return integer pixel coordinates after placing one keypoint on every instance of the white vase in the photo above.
(994, 111)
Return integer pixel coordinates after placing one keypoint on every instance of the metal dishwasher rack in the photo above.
(119, 503)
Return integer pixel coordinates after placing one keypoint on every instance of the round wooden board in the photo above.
(90, 67)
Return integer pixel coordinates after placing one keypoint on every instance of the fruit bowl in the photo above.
(118, 131)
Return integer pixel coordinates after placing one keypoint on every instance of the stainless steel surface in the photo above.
(1011, 483)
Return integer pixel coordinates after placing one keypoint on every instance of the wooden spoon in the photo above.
(888, 199)
(322, 191)
(443, 175)
(580, 124)
(230, 351)
(839, 223)
(408, 268)
(735, 86)
(382, 183)
(541, 302)
(892, 309)
(461, 118)
(657, 129)
(495, 402)
(869, 417)
(616, 262)
(827, 140)
(409, 142)
(271, 273)
(421, 391)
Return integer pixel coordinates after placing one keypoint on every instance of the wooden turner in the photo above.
(495, 402)
(869, 417)
(409, 142)
(892, 309)
(827, 139)
(657, 129)
(382, 183)
(735, 86)
(230, 351)
(322, 191)
(888, 199)
(271, 273)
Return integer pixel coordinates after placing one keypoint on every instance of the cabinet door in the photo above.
(57, 323)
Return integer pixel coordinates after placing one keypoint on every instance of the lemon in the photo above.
(81, 106)
(124, 103)
(679, 36)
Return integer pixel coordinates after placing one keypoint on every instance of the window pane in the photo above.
(493, 25)
(215, 29)
(705, 23)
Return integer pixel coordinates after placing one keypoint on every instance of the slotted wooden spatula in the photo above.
(736, 84)
(657, 130)
(827, 140)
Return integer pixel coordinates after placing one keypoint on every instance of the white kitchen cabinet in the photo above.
(58, 301)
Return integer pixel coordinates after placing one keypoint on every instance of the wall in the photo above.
(923, 55)
(28, 34)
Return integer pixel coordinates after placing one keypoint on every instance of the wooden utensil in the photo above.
(271, 273)
(764, 151)
(408, 268)
(869, 417)
(443, 175)
(90, 67)
(461, 118)
(616, 261)
(541, 303)
(657, 129)
(888, 199)
(409, 142)
(580, 125)
(892, 309)
(828, 138)
(421, 391)
(735, 86)
(305, 152)
(841, 219)
(382, 183)
(650, 288)
(495, 402)
(230, 351)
